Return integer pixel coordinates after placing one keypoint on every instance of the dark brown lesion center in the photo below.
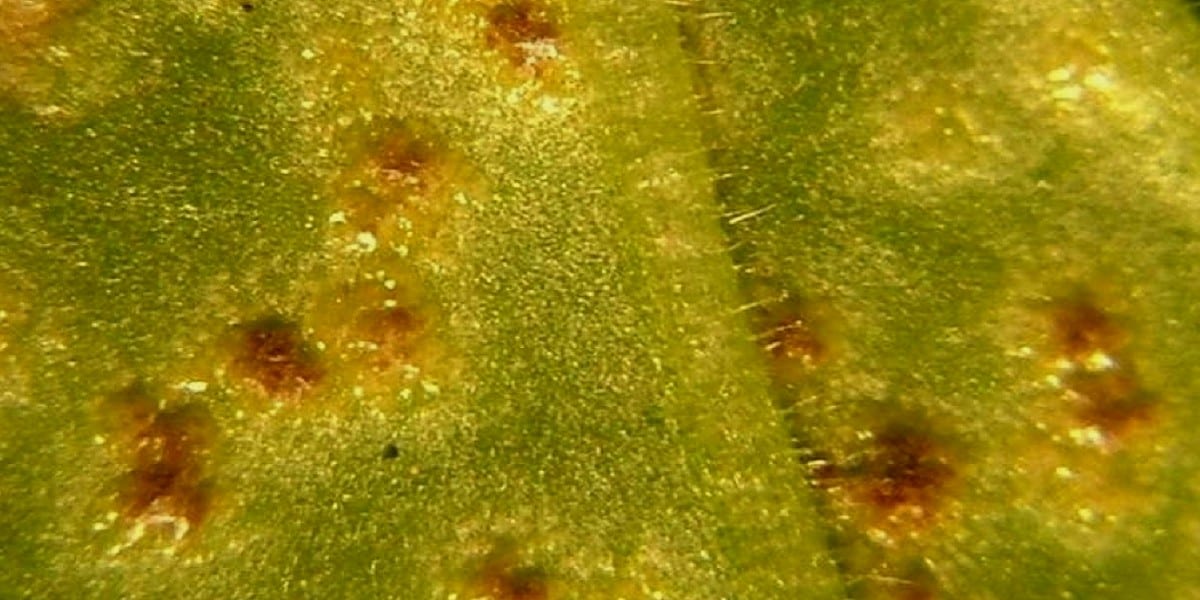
(273, 352)
(906, 467)
(502, 577)
(1081, 328)
(514, 26)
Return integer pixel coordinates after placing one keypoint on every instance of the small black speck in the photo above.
(390, 452)
(248, 7)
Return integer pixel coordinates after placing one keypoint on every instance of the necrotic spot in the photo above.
(168, 467)
(1102, 380)
(501, 577)
(796, 335)
(393, 331)
(167, 452)
(402, 158)
(523, 31)
(1081, 328)
(906, 467)
(1112, 400)
(516, 584)
(399, 182)
(273, 352)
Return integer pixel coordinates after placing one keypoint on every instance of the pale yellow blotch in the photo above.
(1099, 361)
(194, 387)
(1092, 437)
(933, 127)
(365, 242)
(1100, 81)
(1073, 63)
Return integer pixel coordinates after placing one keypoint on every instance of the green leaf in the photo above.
(580, 412)
(695, 299)
(968, 234)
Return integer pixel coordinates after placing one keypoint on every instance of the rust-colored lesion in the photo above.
(167, 486)
(502, 576)
(379, 325)
(1096, 370)
(1081, 328)
(526, 32)
(395, 194)
(1112, 400)
(1089, 457)
(905, 469)
(403, 160)
(896, 477)
(398, 186)
(274, 353)
(382, 333)
(797, 336)
(392, 331)
(795, 339)
(890, 488)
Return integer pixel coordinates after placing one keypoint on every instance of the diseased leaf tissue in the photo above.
(528, 299)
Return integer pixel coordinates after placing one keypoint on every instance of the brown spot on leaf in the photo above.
(398, 185)
(501, 576)
(795, 340)
(1112, 400)
(1081, 328)
(896, 479)
(906, 467)
(1100, 376)
(795, 334)
(393, 331)
(525, 32)
(376, 325)
(273, 353)
(402, 159)
(167, 483)
(515, 584)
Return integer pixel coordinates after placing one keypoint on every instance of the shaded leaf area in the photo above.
(966, 250)
(355, 301)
